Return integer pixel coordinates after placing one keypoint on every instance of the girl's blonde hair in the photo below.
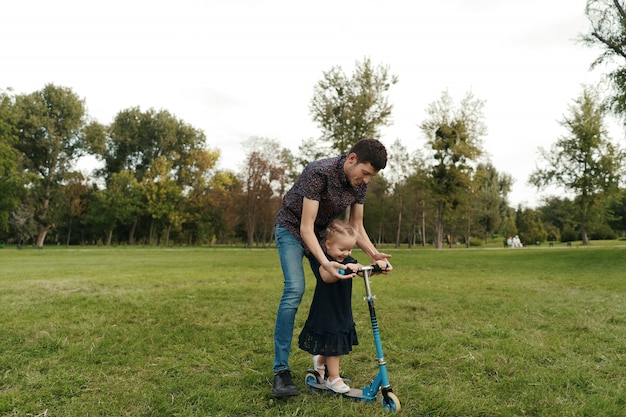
(339, 227)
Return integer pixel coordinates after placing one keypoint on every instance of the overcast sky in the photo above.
(242, 68)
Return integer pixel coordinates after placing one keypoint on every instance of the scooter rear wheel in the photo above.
(312, 382)
(391, 403)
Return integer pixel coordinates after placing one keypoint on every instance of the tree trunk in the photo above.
(109, 237)
(151, 233)
(131, 236)
(439, 228)
(167, 235)
(43, 231)
(423, 227)
(69, 233)
(399, 224)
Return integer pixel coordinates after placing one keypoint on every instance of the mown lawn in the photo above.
(188, 332)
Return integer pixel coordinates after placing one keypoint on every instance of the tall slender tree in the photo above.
(608, 31)
(12, 179)
(584, 161)
(350, 108)
(265, 178)
(454, 135)
(50, 139)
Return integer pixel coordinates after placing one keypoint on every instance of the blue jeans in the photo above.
(291, 252)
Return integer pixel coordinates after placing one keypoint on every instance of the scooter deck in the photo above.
(353, 393)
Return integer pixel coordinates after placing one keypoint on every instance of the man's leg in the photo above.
(291, 252)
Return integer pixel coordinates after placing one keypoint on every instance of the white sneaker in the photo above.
(337, 385)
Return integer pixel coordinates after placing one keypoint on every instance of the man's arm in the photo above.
(363, 240)
(307, 231)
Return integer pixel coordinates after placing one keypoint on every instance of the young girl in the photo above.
(329, 331)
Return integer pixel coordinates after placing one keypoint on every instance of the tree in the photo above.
(311, 150)
(49, 125)
(12, 178)
(454, 135)
(265, 179)
(418, 183)
(530, 227)
(118, 204)
(583, 161)
(163, 197)
(490, 199)
(396, 174)
(136, 141)
(618, 213)
(213, 212)
(558, 214)
(75, 202)
(348, 109)
(608, 30)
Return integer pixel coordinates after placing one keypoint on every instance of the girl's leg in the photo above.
(318, 364)
(335, 382)
(332, 363)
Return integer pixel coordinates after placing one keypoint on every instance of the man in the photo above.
(324, 190)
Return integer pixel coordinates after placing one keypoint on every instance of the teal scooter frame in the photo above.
(368, 393)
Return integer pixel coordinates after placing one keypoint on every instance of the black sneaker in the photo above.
(283, 385)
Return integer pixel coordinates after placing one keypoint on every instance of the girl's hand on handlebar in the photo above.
(349, 271)
(382, 266)
(337, 271)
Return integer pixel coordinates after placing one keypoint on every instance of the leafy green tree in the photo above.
(163, 197)
(530, 227)
(508, 228)
(418, 183)
(454, 136)
(376, 213)
(118, 205)
(22, 223)
(12, 178)
(265, 178)
(213, 211)
(617, 208)
(137, 142)
(557, 213)
(490, 199)
(608, 31)
(50, 139)
(311, 150)
(75, 202)
(350, 108)
(396, 173)
(584, 161)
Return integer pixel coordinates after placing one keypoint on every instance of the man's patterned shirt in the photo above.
(324, 181)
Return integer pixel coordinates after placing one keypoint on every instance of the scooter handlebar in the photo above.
(374, 268)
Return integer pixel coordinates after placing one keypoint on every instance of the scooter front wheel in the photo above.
(391, 403)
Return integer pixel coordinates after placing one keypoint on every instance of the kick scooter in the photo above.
(368, 393)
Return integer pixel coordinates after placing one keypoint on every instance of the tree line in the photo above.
(158, 183)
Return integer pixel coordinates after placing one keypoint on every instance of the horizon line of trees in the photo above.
(158, 183)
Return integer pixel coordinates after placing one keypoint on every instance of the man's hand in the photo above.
(382, 260)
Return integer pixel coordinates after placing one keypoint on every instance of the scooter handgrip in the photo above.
(345, 271)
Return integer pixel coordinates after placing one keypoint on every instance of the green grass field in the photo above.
(188, 332)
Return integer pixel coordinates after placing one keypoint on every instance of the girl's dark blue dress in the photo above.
(329, 330)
